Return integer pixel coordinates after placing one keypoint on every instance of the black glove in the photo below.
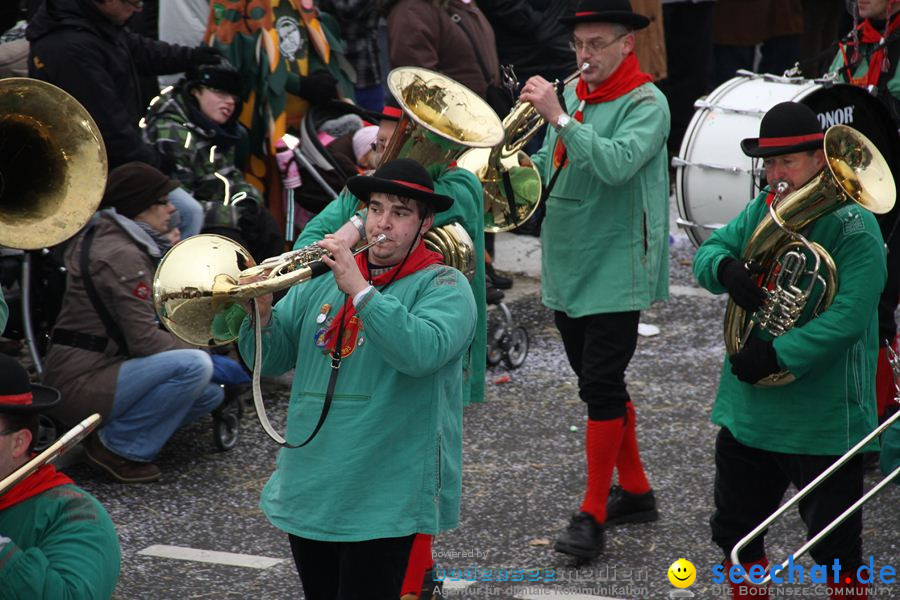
(740, 283)
(755, 360)
(318, 87)
(205, 55)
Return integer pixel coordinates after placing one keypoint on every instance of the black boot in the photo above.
(623, 507)
(583, 537)
(500, 282)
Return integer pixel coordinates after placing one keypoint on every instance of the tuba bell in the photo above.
(855, 171)
(441, 118)
(52, 164)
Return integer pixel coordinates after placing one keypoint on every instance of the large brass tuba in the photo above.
(441, 118)
(512, 184)
(52, 164)
(855, 171)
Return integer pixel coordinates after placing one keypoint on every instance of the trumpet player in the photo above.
(381, 340)
(605, 247)
(772, 437)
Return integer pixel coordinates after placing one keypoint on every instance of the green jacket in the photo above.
(466, 191)
(388, 460)
(888, 82)
(4, 312)
(831, 405)
(179, 132)
(605, 236)
(58, 545)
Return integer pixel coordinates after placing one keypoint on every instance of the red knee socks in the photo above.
(631, 472)
(744, 590)
(849, 587)
(419, 561)
(603, 439)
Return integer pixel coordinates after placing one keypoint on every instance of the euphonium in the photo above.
(512, 184)
(855, 171)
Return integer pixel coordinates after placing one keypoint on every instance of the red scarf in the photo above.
(418, 259)
(40, 481)
(624, 79)
(870, 35)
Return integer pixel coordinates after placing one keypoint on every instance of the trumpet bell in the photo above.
(194, 289)
(512, 186)
(52, 164)
(441, 118)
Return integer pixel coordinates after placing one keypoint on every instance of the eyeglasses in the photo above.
(593, 46)
(8, 431)
(378, 146)
(138, 4)
(164, 200)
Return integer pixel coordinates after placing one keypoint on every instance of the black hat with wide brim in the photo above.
(786, 128)
(403, 177)
(18, 395)
(606, 11)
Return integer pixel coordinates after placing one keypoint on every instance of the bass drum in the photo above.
(714, 179)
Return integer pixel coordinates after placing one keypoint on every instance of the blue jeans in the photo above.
(189, 210)
(155, 395)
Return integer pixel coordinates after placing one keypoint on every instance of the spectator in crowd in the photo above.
(194, 126)
(688, 26)
(740, 26)
(107, 353)
(85, 48)
(56, 540)
(359, 29)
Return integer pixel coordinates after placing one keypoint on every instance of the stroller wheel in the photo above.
(227, 423)
(495, 345)
(518, 348)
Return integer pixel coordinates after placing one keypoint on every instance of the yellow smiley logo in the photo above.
(682, 573)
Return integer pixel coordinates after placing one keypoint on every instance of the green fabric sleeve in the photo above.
(726, 242)
(890, 450)
(78, 556)
(329, 220)
(280, 336)
(419, 341)
(860, 263)
(4, 312)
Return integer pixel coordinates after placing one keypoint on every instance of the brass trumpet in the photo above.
(512, 184)
(196, 287)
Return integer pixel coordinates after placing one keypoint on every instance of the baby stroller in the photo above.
(506, 341)
(322, 156)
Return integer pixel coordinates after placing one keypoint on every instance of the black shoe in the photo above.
(500, 282)
(583, 537)
(623, 507)
(431, 589)
(491, 294)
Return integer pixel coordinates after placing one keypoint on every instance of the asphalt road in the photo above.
(523, 477)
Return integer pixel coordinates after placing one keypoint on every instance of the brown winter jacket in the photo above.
(122, 265)
(422, 34)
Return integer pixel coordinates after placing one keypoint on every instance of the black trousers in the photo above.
(369, 570)
(599, 348)
(750, 484)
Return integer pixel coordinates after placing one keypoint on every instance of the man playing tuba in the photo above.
(772, 437)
